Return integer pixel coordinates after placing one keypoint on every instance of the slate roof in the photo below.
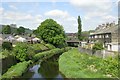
(106, 30)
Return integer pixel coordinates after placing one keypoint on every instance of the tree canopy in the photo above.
(21, 30)
(6, 29)
(51, 32)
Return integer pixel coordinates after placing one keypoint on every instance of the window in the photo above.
(107, 36)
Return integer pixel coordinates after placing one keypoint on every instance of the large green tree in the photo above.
(6, 29)
(79, 28)
(51, 32)
(21, 30)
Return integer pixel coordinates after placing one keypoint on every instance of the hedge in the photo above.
(50, 53)
(16, 70)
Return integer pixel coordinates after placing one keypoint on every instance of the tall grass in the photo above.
(74, 64)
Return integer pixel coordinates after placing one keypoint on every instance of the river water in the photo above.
(47, 70)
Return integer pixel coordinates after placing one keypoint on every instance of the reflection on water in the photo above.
(47, 70)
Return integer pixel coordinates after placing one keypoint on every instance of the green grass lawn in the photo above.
(74, 64)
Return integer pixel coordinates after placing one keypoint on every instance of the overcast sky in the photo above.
(30, 13)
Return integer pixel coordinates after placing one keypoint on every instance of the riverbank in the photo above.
(23, 53)
(74, 64)
(16, 70)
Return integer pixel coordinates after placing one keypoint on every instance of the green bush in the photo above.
(5, 53)
(35, 48)
(20, 51)
(30, 52)
(16, 70)
(110, 66)
(39, 47)
(50, 53)
(7, 45)
(98, 46)
(50, 46)
(24, 51)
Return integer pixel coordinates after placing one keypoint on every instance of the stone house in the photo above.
(108, 35)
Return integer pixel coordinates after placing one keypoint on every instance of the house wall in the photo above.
(105, 37)
(115, 37)
(115, 47)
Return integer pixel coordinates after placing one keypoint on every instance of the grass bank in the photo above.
(16, 70)
(50, 53)
(74, 64)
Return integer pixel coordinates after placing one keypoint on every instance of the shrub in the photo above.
(39, 47)
(50, 46)
(110, 66)
(30, 52)
(7, 45)
(4, 54)
(50, 53)
(20, 51)
(98, 46)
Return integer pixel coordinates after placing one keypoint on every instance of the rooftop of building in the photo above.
(106, 28)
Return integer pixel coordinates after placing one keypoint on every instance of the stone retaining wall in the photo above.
(99, 53)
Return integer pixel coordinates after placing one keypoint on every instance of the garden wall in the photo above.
(99, 53)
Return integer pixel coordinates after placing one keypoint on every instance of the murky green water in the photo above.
(47, 70)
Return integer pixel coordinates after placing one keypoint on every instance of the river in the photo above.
(47, 70)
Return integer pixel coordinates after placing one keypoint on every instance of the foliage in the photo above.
(35, 48)
(13, 30)
(35, 32)
(30, 52)
(24, 51)
(21, 30)
(111, 65)
(20, 51)
(50, 53)
(98, 46)
(7, 45)
(28, 31)
(51, 32)
(50, 46)
(79, 28)
(4, 54)
(39, 47)
(16, 70)
(81, 65)
(85, 35)
(6, 29)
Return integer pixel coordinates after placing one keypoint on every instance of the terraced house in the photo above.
(108, 34)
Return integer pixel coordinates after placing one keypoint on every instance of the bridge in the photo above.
(73, 43)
